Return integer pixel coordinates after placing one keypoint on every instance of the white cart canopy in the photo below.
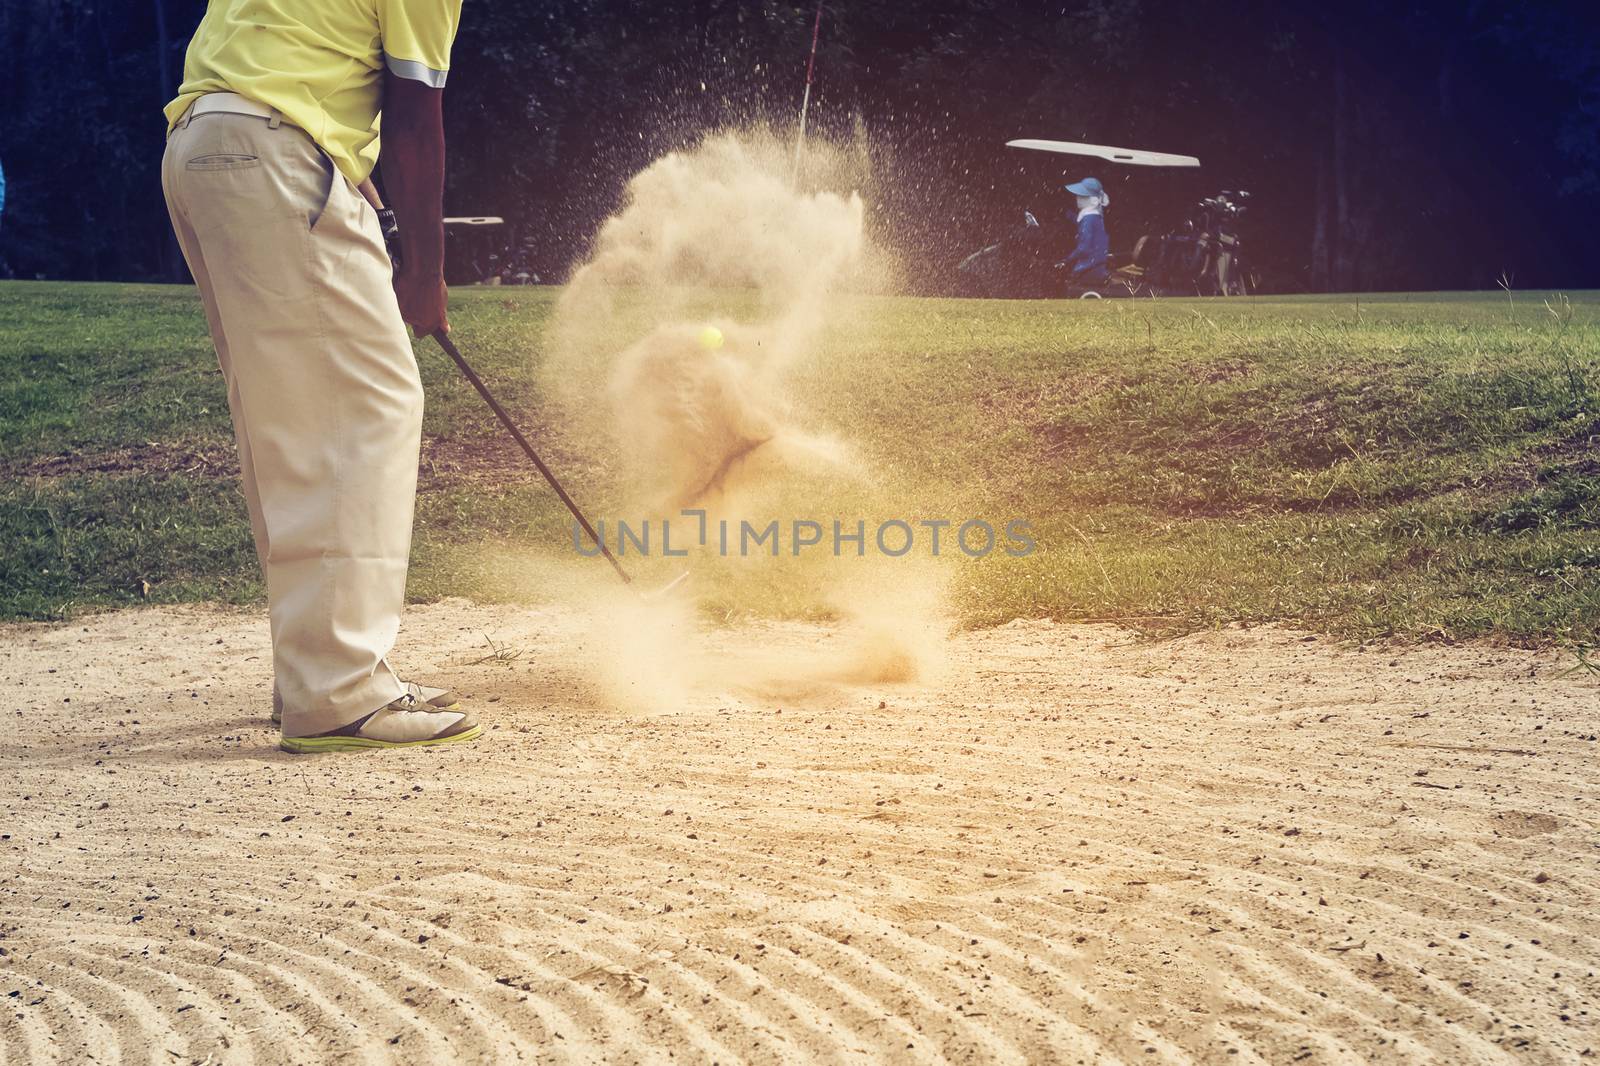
(1129, 156)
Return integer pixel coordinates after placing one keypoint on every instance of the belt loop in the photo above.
(276, 120)
(188, 116)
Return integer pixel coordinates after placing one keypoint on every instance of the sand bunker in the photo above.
(1076, 847)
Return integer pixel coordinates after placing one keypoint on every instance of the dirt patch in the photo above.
(1074, 845)
(489, 461)
(483, 461)
(144, 460)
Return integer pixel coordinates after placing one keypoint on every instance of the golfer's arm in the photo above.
(413, 170)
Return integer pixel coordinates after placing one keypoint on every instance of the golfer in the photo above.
(270, 145)
(1086, 265)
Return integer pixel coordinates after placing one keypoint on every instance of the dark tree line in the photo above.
(1432, 144)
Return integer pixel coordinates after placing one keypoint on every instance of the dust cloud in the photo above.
(682, 333)
(716, 236)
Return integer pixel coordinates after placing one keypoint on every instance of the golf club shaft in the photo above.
(805, 103)
(453, 352)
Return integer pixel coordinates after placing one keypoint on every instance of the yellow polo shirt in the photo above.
(319, 62)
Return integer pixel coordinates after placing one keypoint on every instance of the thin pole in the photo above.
(453, 352)
(805, 101)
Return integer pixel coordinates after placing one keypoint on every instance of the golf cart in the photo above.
(479, 252)
(1198, 254)
(472, 248)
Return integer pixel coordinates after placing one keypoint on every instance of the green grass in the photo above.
(1420, 466)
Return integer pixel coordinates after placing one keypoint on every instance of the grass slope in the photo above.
(1414, 465)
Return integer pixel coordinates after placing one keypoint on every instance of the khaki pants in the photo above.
(323, 388)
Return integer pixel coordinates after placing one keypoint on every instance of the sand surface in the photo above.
(1077, 847)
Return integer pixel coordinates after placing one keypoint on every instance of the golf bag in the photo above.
(1202, 257)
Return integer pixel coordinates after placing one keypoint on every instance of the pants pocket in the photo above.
(223, 161)
(328, 177)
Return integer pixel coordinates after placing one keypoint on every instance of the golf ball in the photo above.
(711, 338)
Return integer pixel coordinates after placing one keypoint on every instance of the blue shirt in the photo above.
(1088, 259)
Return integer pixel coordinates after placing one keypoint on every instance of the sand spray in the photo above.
(680, 336)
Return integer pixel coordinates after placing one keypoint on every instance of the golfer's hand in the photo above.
(423, 300)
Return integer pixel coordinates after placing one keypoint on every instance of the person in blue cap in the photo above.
(1086, 266)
